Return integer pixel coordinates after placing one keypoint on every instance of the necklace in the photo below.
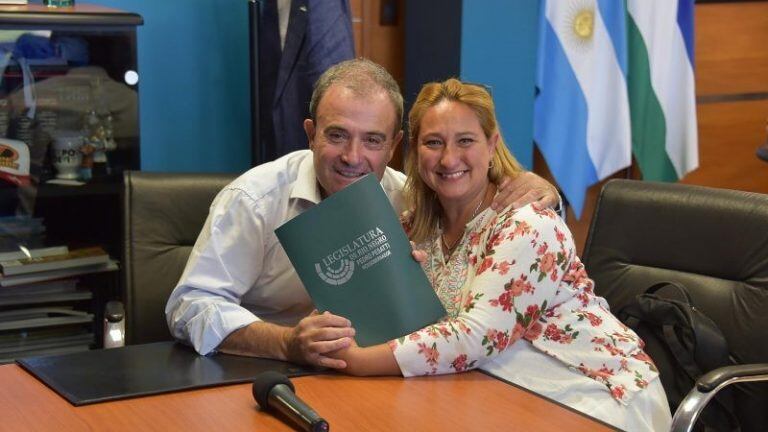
(450, 248)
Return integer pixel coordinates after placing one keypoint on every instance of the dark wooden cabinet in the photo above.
(68, 129)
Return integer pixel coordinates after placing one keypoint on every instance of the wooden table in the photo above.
(464, 402)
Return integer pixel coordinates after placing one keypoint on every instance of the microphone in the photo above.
(275, 392)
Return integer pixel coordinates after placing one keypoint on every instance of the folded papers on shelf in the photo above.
(42, 317)
(44, 341)
(71, 259)
(60, 290)
(23, 252)
(8, 281)
(44, 264)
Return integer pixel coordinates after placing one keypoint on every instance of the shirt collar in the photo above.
(306, 186)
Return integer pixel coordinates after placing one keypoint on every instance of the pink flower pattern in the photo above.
(515, 276)
(460, 363)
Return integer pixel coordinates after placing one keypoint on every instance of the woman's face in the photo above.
(453, 153)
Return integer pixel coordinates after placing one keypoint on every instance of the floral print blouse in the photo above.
(516, 275)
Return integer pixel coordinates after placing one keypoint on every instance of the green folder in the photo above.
(354, 259)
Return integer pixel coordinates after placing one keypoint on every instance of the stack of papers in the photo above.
(40, 297)
(52, 263)
(62, 290)
(43, 331)
(42, 317)
(44, 341)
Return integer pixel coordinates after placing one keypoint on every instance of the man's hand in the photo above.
(306, 343)
(418, 255)
(525, 189)
(317, 335)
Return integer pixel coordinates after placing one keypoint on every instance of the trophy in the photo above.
(98, 129)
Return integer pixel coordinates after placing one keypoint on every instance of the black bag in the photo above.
(684, 344)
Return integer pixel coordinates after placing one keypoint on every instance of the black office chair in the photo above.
(163, 214)
(714, 242)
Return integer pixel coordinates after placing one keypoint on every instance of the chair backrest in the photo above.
(163, 214)
(713, 241)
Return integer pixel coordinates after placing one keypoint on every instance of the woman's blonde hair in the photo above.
(420, 198)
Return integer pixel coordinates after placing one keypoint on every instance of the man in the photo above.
(239, 292)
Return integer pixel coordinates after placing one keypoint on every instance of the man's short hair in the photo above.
(364, 78)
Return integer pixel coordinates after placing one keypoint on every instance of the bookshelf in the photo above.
(68, 129)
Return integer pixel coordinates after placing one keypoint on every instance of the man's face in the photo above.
(354, 135)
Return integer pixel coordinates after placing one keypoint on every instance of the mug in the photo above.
(66, 154)
(59, 3)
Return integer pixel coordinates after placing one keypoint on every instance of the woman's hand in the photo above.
(373, 360)
(349, 356)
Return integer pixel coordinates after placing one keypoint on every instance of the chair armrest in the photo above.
(114, 324)
(708, 385)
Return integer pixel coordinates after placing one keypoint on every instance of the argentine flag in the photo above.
(581, 112)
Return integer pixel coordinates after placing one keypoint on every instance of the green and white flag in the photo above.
(662, 95)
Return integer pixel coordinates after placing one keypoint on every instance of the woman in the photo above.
(519, 302)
